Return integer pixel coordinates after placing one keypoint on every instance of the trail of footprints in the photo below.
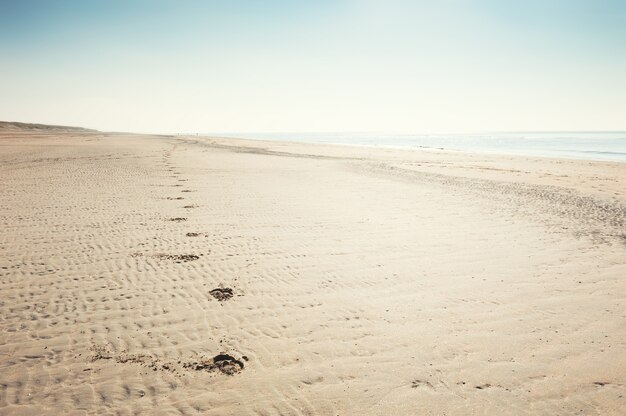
(221, 363)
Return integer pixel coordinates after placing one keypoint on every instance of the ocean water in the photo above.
(607, 146)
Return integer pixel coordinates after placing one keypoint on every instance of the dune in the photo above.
(164, 275)
(6, 126)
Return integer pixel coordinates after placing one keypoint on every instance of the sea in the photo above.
(589, 145)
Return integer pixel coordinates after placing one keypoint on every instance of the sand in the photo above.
(163, 275)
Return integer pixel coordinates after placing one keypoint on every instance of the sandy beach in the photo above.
(162, 275)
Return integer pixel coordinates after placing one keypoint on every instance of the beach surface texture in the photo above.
(161, 275)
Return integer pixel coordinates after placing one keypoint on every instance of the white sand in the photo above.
(365, 281)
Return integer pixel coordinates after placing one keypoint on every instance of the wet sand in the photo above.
(182, 275)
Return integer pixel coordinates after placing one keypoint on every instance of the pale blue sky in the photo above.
(393, 65)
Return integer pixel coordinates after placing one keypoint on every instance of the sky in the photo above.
(183, 66)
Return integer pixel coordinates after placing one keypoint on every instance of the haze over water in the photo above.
(607, 146)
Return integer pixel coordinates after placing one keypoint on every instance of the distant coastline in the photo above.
(607, 146)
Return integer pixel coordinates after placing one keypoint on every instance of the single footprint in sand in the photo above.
(178, 257)
(222, 294)
(225, 363)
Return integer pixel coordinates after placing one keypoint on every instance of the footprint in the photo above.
(420, 383)
(225, 363)
(178, 257)
(222, 294)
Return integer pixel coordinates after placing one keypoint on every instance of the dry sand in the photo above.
(350, 281)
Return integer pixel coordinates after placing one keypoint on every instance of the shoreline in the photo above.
(544, 171)
(559, 154)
